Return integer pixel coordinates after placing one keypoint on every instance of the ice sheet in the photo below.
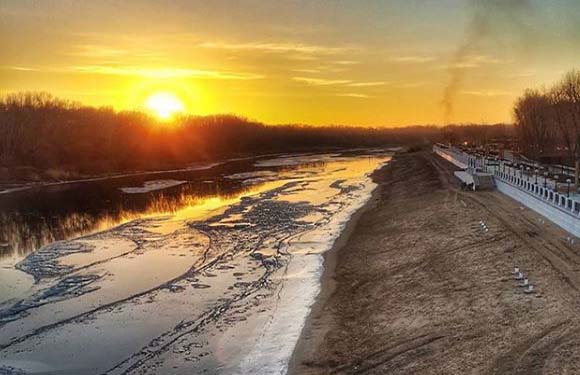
(223, 287)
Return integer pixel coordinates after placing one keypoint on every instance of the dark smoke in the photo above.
(493, 22)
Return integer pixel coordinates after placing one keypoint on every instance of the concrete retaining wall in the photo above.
(560, 209)
(559, 216)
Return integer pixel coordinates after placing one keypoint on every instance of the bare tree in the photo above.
(533, 127)
(550, 121)
(568, 95)
(42, 136)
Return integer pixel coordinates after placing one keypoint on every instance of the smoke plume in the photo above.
(492, 22)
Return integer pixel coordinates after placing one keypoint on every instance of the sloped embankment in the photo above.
(420, 288)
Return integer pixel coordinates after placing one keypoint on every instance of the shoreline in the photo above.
(327, 282)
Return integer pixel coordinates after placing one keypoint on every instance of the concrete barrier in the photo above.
(557, 215)
(534, 193)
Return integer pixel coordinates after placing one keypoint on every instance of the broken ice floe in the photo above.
(150, 186)
(72, 286)
(44, 262)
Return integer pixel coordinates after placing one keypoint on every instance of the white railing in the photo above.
(540, 188)
(534, 191)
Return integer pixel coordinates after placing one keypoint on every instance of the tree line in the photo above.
(46, 138)
(547, 121)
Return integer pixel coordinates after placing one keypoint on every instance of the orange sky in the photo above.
(315, 62)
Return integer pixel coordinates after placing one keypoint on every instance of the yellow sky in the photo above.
(315, 62)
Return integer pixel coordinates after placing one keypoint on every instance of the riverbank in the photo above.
(418, 286)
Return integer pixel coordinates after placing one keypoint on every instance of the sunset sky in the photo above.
(316, 62)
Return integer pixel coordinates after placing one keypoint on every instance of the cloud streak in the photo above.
(487, 93)
(145, 72)
(413, 59)
(367, 84)
(321, 81)
(281, 47)
(337, 82)
(475, 61)
(353, 95)
(98, 51)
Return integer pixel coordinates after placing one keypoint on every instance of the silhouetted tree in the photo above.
(548, 122)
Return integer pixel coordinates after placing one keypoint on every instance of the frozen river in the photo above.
(207, 270)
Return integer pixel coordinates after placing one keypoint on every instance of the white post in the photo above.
(530, 289)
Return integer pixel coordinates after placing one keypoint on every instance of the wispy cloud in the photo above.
(525, 74)
(163, 72)
(353, 95)
(99, 51)
(281, 47)
(488, 93)
(367, 84)
(345, 62)
(413, 59)
(145, 72)
(310, 71)
(338, 82)
(21, 68)
(409, 85)
(475, 61)
(321, 81)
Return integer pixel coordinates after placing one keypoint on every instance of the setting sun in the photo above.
(164, 105)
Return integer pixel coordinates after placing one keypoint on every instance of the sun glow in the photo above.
(164, 105)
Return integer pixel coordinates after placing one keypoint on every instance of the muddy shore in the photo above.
(416, 286)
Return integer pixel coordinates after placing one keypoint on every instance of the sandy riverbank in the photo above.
(414, 285)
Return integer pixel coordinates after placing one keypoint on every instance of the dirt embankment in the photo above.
(420, 288)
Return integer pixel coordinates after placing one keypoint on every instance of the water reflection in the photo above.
(32, 219)
(256, 266)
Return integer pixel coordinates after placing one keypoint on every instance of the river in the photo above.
(211, 269)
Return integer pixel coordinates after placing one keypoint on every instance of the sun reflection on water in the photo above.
(19, 235)
(24, 231)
